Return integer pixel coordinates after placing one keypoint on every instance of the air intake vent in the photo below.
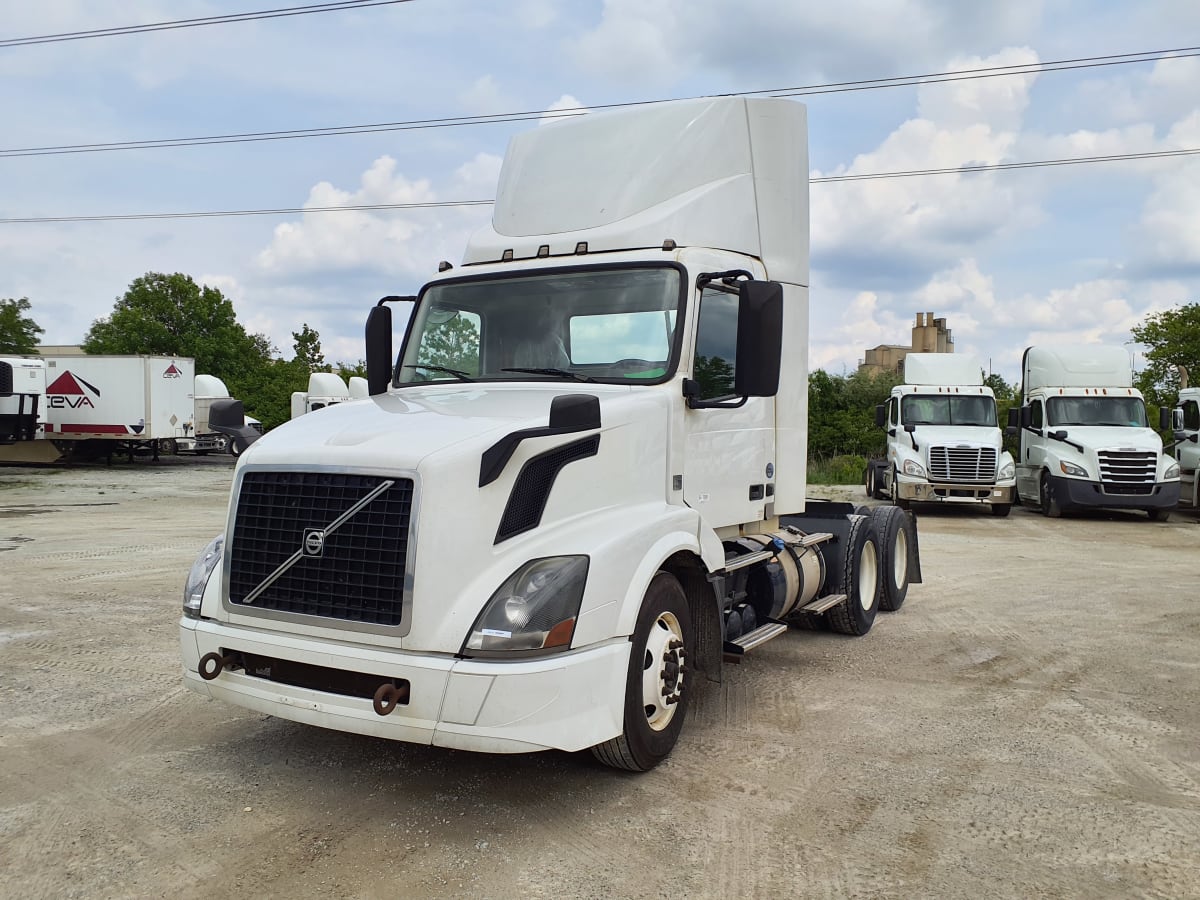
(967, 465)
(353, 570)
(532, 487)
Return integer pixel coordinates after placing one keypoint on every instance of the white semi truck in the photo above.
(1186, 448)
(944, 443)
(324, 389)
(563, 503)
(1083, 436)
(22, 395)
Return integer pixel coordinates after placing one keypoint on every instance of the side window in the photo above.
(716, 344)
(1191, 415)
(893, 412)
(1036, 417)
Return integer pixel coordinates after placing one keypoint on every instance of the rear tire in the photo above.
(893, 528)
(658, 684)
(860, 581)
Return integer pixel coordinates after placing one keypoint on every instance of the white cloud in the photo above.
(484, 97)
(564, 104)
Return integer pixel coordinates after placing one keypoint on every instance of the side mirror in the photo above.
(910, 427)
(880, 415)
(227, 416)
(1059, 435)
(1011, 430)
(1026, 416)
(759, 339)
(1177, 420)
(379, 348)
(1165, 417)
(1014, 418)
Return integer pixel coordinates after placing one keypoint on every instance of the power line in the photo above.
(455, 204)
(308, 9)
(1088, 62)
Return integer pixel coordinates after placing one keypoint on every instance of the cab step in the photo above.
(822, 604)
(739, 646)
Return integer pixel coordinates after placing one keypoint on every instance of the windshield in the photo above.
(940, 409)
(612, 325)
(1125, 411)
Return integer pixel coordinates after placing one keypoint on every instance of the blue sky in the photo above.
(1010, 258)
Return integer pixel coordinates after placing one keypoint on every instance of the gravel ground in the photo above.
(1025, 726)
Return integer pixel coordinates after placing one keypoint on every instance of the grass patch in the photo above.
(837, 470)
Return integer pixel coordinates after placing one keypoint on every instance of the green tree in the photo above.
(453, 344)
(1172, 338)
(841, 413)
(18, 332)
(308, 349)
(170, 315)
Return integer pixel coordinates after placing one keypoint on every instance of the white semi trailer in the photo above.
(1084, 438)
(944, 443)
(564, 501)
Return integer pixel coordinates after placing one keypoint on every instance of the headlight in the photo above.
(1008, 470)
(1072, 469)
(914, 468)
(1172, 472)
(197, 580)
(535, 608)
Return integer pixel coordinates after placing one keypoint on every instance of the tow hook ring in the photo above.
(211, 665)
(387, 696)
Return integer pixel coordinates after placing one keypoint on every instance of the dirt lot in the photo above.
(1026, 726)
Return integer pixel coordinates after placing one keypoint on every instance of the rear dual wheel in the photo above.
(861, 581)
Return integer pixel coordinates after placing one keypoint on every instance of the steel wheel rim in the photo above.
(900, 560)
(663, 671)
(868, 573)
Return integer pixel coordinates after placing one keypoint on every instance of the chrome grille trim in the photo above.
(968, 465)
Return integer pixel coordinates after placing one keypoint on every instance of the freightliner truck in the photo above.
(1084, 438)
(1186, 448)
(579, 487)
(944, 443)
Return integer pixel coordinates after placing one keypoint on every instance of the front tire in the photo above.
(658, 684)
(1000, 510)
(1051, 508)
(1158, 515)
(895, 488)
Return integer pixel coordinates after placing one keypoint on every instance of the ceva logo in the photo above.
(68, 392)
(172, 372)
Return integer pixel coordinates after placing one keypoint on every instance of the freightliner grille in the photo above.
(358, 575)
(1128, 471)
(970, 465)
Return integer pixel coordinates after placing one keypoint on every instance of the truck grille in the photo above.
(1128, 471)
(975, 465)
(355, 572)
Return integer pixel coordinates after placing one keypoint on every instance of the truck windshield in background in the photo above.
(604, 324)
(932, 409)
(1129, 412)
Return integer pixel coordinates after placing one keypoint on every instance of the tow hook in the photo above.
(388, 696)
(211, 665)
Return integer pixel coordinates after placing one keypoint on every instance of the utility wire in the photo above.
(450, 204)
(528, 115)
(196, 23)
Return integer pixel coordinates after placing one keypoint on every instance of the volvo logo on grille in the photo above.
(314, 542)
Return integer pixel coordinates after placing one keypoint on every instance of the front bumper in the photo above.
(1080, 492)
(950, 492)
(567, 702)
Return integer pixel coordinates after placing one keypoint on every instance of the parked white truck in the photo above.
(1186, 448)
(1084, 439)
(561, 504)
(22, 395)
(944, 443)
(324, 389)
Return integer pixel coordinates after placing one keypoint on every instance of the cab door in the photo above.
(1032, 452)
(729, 453)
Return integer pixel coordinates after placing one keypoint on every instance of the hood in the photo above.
(398, 430)
(1110, 437)
(957, 435)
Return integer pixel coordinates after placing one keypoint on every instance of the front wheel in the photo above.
(658, 683)
(1158, 515)
(1000, 510)
(895, 488)
(1051, 508)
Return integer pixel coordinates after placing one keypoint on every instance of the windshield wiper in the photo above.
(457, 373)
(561, 373)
